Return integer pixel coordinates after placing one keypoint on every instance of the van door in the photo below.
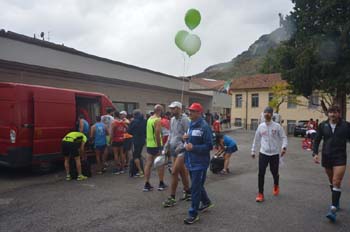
(54, 117)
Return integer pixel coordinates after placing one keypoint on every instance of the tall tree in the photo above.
(317, 57)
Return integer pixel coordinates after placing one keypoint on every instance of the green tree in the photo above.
(317, 57)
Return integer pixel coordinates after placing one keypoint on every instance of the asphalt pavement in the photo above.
(46, 202)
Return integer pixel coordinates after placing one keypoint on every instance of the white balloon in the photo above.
(192, 44)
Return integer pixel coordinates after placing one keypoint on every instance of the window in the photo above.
(238, 122)
(270, 96)
(291, 102)
(255, 100)
(291, 126)
(238, 100)
(314, 101)
(127, 106)
(254, 123)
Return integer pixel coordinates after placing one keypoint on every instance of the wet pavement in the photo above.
(46, 202)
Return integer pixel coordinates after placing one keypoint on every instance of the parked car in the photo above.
(300, 128)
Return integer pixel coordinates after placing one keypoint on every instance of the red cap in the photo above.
(196, 107)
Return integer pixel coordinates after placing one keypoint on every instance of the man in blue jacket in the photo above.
(198, 143)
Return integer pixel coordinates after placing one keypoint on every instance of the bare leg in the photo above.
(161, 171)
(138, 165)
(174, 177)
(116, 157)
(184, 173)
(78, 164)
(227, 161)
(148, 165)
(66, 164)
(338, 174)
(98, 161)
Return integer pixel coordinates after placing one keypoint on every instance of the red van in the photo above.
(34, 119)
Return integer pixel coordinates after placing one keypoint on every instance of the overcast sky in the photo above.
(142, 32)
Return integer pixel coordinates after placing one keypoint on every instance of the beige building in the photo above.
(250, 95)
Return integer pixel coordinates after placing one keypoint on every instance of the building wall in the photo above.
(18, 51)
(287, 114)
(117, 93)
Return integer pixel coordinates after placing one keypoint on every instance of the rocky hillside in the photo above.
(248, 62)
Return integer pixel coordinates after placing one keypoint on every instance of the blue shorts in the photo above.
(100, 147)
(231, 150)
(154, 150)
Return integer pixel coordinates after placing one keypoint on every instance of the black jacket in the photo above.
(334, 144)
(137, 129)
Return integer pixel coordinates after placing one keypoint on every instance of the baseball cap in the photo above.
(196, 107)
(124, 112)
(175, 104)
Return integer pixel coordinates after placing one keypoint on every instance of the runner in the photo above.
(99, 132)
(335, 133)
(154, 148)
(70, 149)
(269, 134)
(178, 127)
(229, 145)
(118, 130)
(137, 129)
(107, 120)
(127, 138)
(197, 157)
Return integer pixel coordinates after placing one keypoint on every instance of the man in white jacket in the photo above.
(270, 135)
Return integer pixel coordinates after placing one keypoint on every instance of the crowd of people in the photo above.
(186, 140)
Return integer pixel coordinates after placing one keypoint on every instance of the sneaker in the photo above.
(139, 174)
(186, 197)
(259, 197)
(147, 187)
(205, 207)
(81, 177)
(104, 169)
(99, 173)
(223, 172)
(276, 190)
(68, 177)
(191, 220)
(331, 215)
(162, 186)
(116, 171)
(122, 171)
(170, 202)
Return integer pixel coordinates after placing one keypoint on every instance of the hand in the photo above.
(283, 152)
(189, 147)
(316, 159)
(253, 155)
(185, 136)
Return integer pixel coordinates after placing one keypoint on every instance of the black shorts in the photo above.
(117, 144)
(154, 150)
(330, 162)
(70, 149)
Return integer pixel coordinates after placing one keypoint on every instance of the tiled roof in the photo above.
(209, 84)
(259, 81)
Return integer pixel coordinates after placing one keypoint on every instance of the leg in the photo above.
(137, 155)
(116, 157)
(122, 157)
(329, 172)
(227, 157)
(78, 164)
(105, 155)
(174, 177)
(148, 166)
(263, 162)
(195, 192)
(98, 160)
(66, 164)
(161, 171)
(338, 174)
(274, 166)
(183, 173)
(204, 196)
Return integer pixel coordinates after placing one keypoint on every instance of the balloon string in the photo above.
(183, 77)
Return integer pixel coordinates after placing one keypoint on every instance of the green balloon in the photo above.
(192, 44)
(192, 18)
(180, 38)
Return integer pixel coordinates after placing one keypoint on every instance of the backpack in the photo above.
(217, 164)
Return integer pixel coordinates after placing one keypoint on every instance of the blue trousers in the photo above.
(198, 191)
